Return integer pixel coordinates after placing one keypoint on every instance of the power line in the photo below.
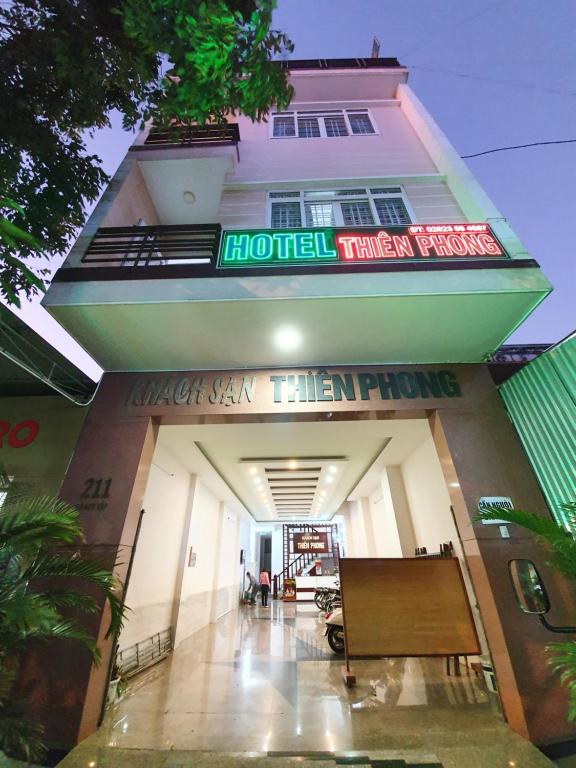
(495, 81)
(519, 146)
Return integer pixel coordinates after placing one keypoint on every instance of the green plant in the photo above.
(70, 65)
(40, 600)
(561, 546)
(16, 275)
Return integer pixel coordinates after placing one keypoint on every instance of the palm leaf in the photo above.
(560, 543)
(18, 736)
(51, 566)
(64, 598)
(31, 522)
(38, 580)
(563, 661)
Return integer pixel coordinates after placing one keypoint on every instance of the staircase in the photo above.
(298, 564)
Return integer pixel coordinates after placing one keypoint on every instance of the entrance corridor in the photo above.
(261, 686)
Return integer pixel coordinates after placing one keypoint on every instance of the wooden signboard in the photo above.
(311, 542)
(406, 607)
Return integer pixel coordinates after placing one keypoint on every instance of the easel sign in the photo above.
(405, 607)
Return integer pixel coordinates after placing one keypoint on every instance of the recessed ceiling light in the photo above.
(253, 470)
(287, 338)
(189, 197)
(329, 479)
(292, 464)
(333, 469)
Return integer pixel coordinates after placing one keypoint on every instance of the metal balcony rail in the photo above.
(154, 246)
(141, 655)
(446, 550)
(195, 135)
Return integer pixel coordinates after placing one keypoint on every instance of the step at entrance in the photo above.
(142, 758)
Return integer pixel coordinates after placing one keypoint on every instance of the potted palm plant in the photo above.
(31, 531)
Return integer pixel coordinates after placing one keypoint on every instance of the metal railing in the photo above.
(446, 550)
(154, 246)
(194, 135)
(144, 654)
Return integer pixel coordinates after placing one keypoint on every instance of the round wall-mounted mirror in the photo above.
(529, 587)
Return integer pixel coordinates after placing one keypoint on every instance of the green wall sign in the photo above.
(314, 247)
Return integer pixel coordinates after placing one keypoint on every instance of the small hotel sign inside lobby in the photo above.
(314, 247)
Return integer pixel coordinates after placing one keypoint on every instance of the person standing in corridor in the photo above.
(252, 590)
(264, 588)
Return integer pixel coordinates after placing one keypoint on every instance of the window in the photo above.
(360, 123)
(286, 216)
(335, 125)
(391, 211)
(315, 125)
(308, 127)
(283, 126)
(357, 214)
(319, 214)
(354, 207)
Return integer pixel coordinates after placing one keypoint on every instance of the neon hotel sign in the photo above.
(314, 247)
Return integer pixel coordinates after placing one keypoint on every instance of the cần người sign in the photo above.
(329, 246)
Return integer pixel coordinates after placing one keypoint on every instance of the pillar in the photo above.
(106, 480)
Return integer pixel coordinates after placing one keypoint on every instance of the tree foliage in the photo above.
(67, 64)
(32, 534)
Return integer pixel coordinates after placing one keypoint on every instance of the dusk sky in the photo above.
(492, 74)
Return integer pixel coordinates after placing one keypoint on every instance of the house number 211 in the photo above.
(96, 488)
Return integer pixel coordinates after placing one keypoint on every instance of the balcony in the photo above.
(141, 247)
(195, 136)
(170, 297)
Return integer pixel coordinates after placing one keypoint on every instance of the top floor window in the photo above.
(315, 125)
(360, 207)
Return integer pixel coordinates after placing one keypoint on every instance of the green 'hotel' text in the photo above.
(283, 247)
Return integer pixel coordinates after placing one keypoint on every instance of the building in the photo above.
(294, 317)
(42, 395)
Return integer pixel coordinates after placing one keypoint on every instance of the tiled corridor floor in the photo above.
(264, 681)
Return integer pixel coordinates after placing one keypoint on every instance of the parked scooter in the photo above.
(324, 597)
(335, 630)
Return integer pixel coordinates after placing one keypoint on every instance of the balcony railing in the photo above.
(193, 244)
(193, 136)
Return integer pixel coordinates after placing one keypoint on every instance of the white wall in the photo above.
(386, 536)
(199, 580)
(395, 150)
(277, 552)
(164, 590)
(228, 555)
(153, 584)
(428, 498)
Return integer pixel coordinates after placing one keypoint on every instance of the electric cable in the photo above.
(519, 146)
(495, 81)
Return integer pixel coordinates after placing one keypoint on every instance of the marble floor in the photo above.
(264, 681)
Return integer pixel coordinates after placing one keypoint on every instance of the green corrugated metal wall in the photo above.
(541, 401)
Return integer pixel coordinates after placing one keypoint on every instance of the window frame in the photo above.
(320, 115)
(299, 195)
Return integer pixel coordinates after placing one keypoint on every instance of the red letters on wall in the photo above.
(18, 435)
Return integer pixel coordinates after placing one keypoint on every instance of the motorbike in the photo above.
(335, 630)
(324, 597)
